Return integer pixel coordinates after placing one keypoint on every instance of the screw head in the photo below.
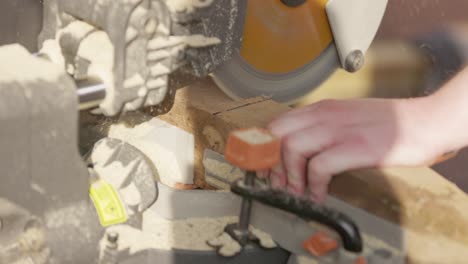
(354, 61)
(112, 237)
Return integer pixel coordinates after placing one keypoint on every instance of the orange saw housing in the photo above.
(280, 39)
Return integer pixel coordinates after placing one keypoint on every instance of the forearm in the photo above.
(448, 108)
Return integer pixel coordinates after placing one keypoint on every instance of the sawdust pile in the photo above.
(185, 234)
(254, 136)
(169, 148)
(159, 233)
(228, 247)
(223, 170)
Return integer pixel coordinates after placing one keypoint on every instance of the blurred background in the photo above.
(420, 45)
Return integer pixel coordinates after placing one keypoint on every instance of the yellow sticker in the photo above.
(109, 207)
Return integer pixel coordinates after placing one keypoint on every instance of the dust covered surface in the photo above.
(163, 234)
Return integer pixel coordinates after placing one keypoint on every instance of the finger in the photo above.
(278, 177)
(297, 148)
(295, 166)
(337, 159)
(310, 140)
(292, 121)
(263, 174)
(301, 118)
(319, 194)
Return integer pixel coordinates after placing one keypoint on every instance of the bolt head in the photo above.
(112, 237)
(354, 61)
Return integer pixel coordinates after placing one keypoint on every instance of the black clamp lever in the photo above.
(306, 209)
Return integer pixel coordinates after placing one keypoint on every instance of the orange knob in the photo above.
(360, 260)
(320, 244)
(252, 149)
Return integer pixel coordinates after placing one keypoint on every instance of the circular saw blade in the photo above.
(286, 52)
(240, 80)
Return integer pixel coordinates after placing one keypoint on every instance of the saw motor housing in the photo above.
(133, 46)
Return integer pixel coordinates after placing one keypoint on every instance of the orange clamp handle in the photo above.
(253, 149)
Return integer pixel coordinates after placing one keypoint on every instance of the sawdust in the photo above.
(69, 217)
(198, 234)
(169, 148)
(223, 170)
(19, 58)
(98, 49)
(159, 233)
(95, 49)
(214, 138)
(374, 242)
(38, 188)
(228, 247)
(121, 175)
(131, 195)
(52, 50)
(434, 249)
(187, 5)
(254, 136)
(216, 183)
(114, 172)
(265, 239)
(32, 239)
(304, 260)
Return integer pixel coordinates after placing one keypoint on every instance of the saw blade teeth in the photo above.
(238, 79)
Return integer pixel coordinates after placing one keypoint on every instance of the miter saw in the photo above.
(282, 49)
(113, 56)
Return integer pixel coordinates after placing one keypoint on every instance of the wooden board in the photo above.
(432, 210)
(203, 110)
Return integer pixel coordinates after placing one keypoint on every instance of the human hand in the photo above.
(331, 137)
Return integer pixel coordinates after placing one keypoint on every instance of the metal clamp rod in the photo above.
(306, 209)
(91, 92)
(246, 206)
